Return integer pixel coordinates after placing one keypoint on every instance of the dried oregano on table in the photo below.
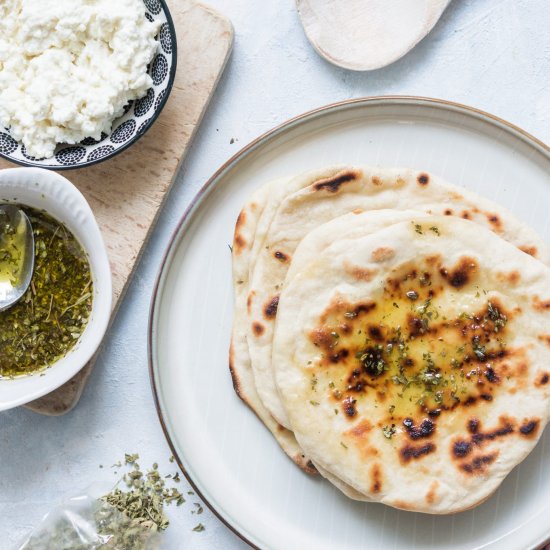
(144, 502)
(126, 518)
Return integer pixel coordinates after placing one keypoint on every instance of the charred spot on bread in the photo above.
(543, 379)
(540, 304)
(461, 274)
(413, 452)
(503, 430)
(270, 308)
(281, 256)
(333, 184)
(495, 222)
(338, 356)
(423, 179)
(234, 376)
(461, 448)
(473, 425)
(348, 405)
(425, 429)
(529, 428)
(375, 333)
(257, 328)
(491, 375)
(478, 465)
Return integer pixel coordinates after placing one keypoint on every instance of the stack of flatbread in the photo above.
(393, 333)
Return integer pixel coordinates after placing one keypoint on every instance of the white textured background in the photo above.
(491, 54)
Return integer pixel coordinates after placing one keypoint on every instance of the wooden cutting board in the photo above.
(127, 192)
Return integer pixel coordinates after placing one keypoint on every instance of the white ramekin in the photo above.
(58, 197)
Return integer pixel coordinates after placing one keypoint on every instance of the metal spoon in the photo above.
(16, 254)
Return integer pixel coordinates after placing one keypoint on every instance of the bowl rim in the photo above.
(34, 386)
(135, 138)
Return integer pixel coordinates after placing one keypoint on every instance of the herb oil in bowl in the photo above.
(51, 316)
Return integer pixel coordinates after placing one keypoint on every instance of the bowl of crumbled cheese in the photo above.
(81, 81)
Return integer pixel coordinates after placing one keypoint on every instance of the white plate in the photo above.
(226, 452)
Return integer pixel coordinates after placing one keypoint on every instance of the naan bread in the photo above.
(414, 362)
(325, 194)
(239, 359)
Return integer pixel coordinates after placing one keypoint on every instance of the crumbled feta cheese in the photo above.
(68, 67)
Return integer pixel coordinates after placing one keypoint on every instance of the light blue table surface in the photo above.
(491, 54)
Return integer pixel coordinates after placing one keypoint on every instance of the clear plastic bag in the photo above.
(88, 523)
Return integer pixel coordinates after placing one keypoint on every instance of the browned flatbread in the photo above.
(332, 192)
(413, 362)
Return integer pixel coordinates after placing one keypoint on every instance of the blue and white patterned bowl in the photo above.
(138, 117)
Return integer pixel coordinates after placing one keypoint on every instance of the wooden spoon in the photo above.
(363, 35)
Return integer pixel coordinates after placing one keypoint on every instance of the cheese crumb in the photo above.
(68, 67)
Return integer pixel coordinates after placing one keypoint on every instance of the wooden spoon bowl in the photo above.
(363, 35)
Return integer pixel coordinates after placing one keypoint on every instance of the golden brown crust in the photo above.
(241, 220)
(249, 299)
(431, 495)
(233, 372)
(359, 273)
(376, 480)
(531, 250)
(304, 464)
(376, 180)
(382, 254)
(360, 430)
(474, 353)
(540, 304)
(239, 243)
(402, 505)
(512, 277)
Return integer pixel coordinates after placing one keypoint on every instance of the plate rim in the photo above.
(211, 184)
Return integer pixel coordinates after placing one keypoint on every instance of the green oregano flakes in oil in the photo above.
(49, 319)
